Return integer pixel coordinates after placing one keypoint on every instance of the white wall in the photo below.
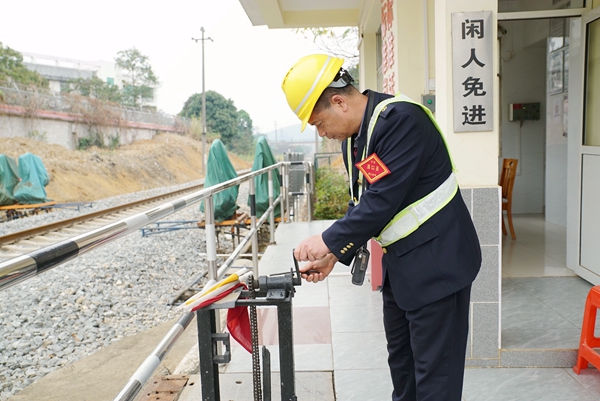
(65, 133)
(409, 42)
(524, 81)
(476, 153)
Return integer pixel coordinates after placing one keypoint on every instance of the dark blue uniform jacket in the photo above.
(443, 255)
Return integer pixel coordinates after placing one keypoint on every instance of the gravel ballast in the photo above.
(117, 290)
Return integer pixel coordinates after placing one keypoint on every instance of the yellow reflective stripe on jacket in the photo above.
(410, 218)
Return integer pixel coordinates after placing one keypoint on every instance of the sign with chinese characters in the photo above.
(472, 71)
(387, 46)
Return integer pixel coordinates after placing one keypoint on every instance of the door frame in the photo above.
(577, 77)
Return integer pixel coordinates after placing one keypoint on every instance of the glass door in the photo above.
(583, 252)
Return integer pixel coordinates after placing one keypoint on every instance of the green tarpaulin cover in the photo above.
(263, 157)
(8, 179)
(34, 178)
(219, 169)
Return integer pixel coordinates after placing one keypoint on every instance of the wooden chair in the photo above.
(507, 181)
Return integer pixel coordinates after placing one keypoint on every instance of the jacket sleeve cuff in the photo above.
(344, 258)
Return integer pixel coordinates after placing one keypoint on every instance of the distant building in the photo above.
(59, 71)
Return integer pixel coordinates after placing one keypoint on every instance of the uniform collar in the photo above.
(371, 101)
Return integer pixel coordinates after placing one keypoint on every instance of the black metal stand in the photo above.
(275, 290)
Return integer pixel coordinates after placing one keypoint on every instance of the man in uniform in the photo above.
(405, 195)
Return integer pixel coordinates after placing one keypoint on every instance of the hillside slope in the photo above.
(88, 175)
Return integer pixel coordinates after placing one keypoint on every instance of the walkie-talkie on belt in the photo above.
(359, 267)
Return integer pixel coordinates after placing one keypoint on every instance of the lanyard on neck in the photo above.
(350, 148)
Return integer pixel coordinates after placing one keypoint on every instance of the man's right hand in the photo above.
(319, 269)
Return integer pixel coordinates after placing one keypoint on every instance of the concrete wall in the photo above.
(67, 133)
(475, 155)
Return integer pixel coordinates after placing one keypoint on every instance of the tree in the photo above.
(221, 114)
(12, 69)
(96, 88)
(246, 139)
(140, 81)
(340, 42)
(222, 118)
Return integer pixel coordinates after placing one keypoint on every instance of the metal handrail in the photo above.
(25, 266)
(22, 267)
(135, 383)
(145, 370)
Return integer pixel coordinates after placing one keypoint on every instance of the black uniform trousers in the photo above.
(427, 346)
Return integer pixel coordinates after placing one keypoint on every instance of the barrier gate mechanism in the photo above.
(274, 290)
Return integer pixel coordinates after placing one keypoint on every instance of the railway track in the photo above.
(22, 242)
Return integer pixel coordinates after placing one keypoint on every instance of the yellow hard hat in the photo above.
(306, 81)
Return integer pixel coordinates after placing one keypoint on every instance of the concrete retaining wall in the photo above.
(67, 129)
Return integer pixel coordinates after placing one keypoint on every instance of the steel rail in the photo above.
(20, 268)
(32, 232)
(19, 235)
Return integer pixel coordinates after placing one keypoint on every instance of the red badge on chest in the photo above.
(373, 168)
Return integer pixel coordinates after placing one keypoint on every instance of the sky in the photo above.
(243, 63)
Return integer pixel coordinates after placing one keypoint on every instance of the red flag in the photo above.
(238, 321)
(238, 324)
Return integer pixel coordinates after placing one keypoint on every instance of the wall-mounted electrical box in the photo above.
(523, 111)
(429, 102)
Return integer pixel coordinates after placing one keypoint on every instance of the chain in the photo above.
(255, 355)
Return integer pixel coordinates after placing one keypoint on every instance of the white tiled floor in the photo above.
(542, 299)
(542, 307)
(539, 251)
(535, 280)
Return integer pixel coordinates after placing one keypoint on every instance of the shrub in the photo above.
(331, 194)
(93, 140)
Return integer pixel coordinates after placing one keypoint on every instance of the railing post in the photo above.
(308, 190)
(281, 192)
(211, 239)
(286, 183)
(211, 252)
(253, 227)
(272, 214)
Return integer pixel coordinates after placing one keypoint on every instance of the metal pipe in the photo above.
(286, 179)
(272, 213)
(254, 228)
(281, 195)
(307, 189)
(236, 252)
(22, 267)
(18, 269)
(143, 373)
(211, 238)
